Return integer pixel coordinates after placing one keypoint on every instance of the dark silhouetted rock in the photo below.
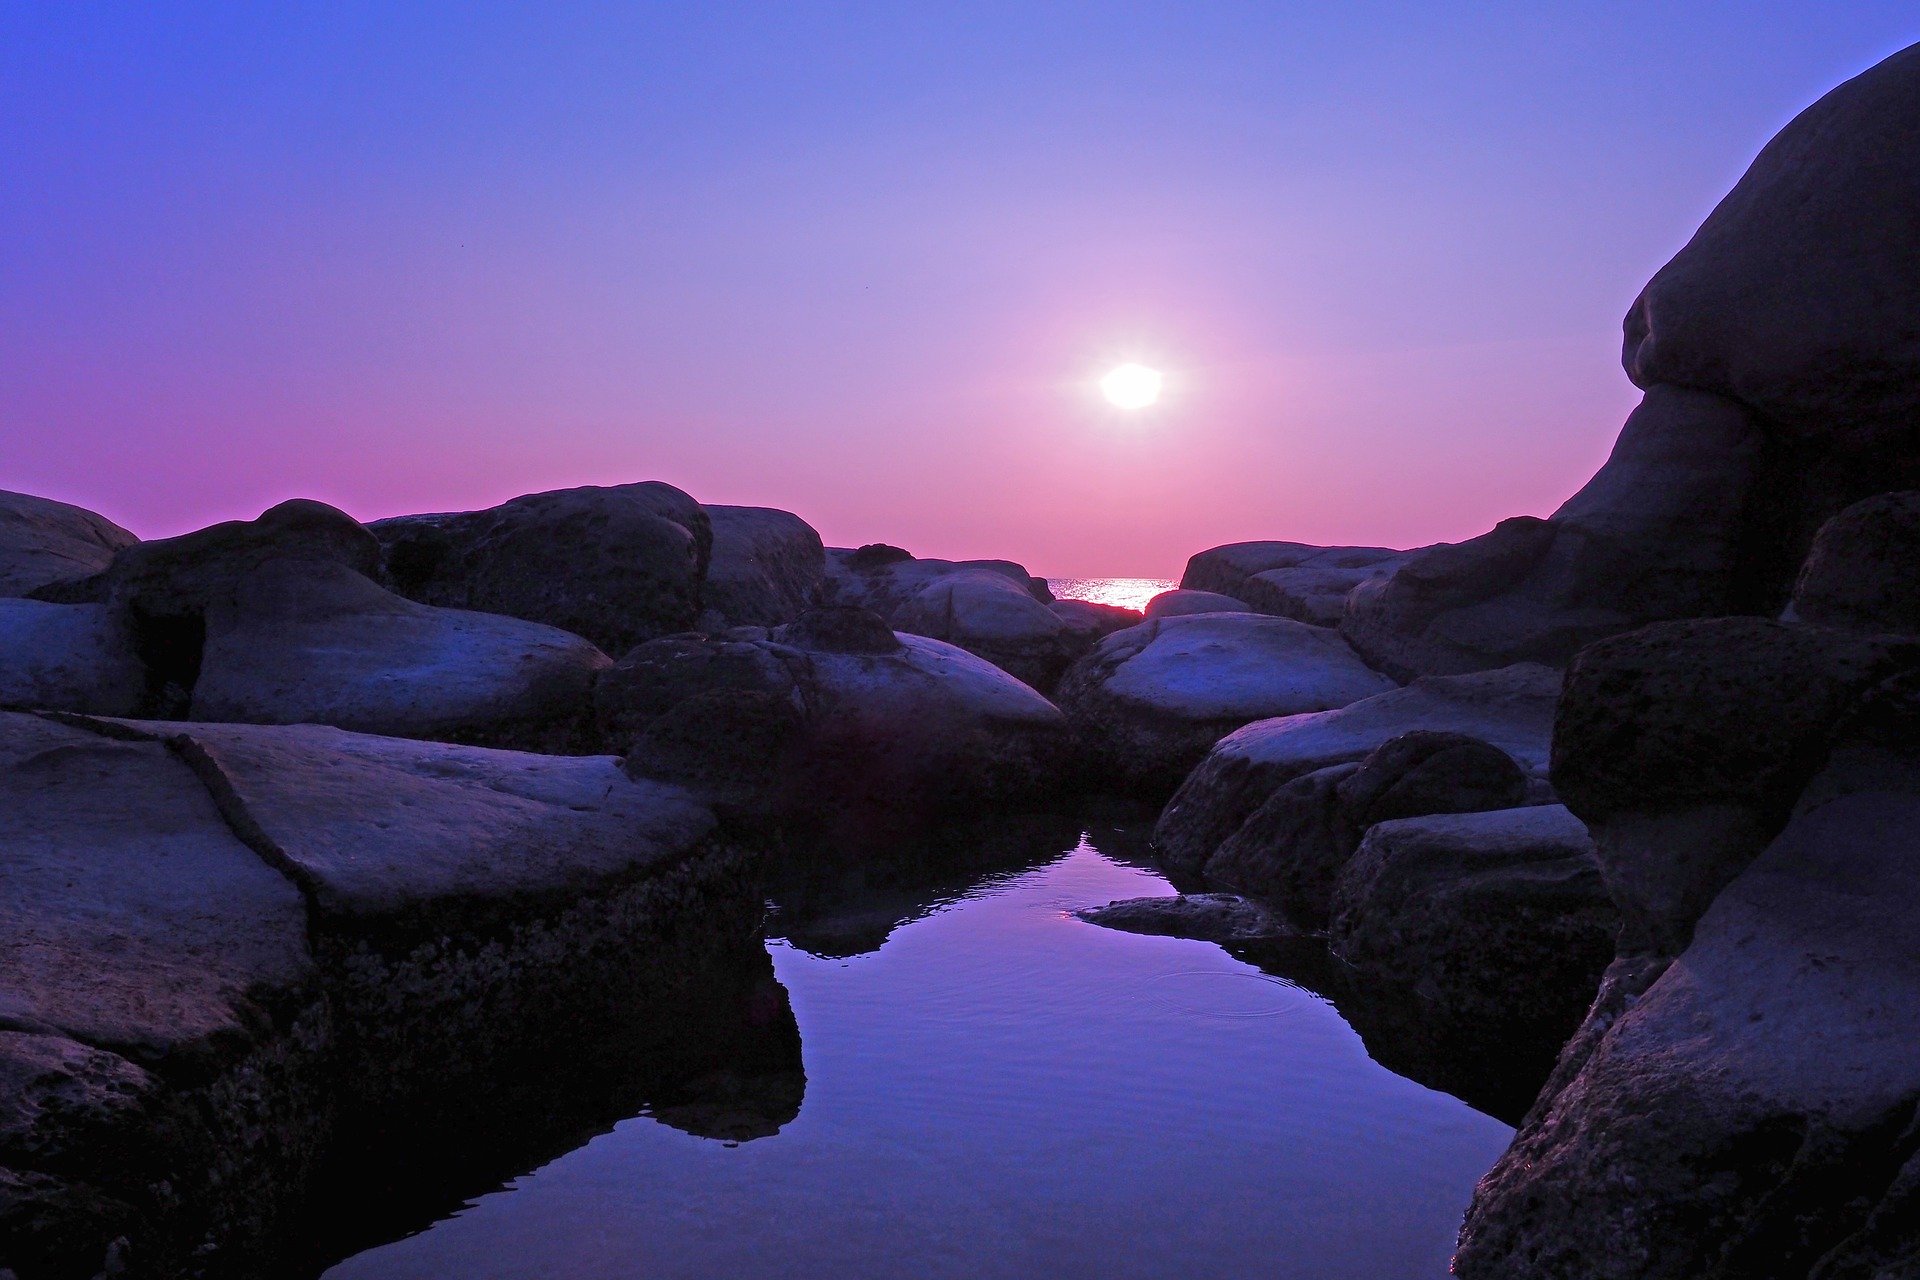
(1183, 602)
(1151, 700)
(766, 566)
(1290, 579)
(313, 642)
(849, 718)
(68, 657)
(1293, 846)
(43, 542)
(1684, 745)
(619, 565)
(1089, 622)
(875, 555)
(1512, 709)
(1496, 922)
(1752, 1112)
(1208, 917)
(171, 578)
(1864, 569)
(1661, 531)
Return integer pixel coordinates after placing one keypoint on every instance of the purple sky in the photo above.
(865, 262)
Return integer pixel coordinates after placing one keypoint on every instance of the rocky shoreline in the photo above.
(308, 826)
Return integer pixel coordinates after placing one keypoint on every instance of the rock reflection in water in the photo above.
(721, 1061)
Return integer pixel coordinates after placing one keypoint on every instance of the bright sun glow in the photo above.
(1131, 386)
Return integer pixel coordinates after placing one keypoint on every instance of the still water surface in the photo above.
(994, 1088)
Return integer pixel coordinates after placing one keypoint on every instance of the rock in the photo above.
(1797, 296)
(765, 567)
(1861, 572)
(1496, 922)
(43, 542)
(135, 921)
(993, 609)
(1661, 531)
(1290, 579)
(219, 942)
(661, 674)
(1151, 700)
(169, 580)
(1752, 1112)
(1208, 917)
(1512, 709)
(619, 565)
(1181, 603)
(847, 716)
(1293, 846)
(1684, 745)
(313, 642)
(68, 657)
(1088, 622)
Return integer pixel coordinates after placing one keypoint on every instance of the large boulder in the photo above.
(1151, 700)
(1752, 1112)
(1290, 579)
(1496, 923)
(1864, 569)
(765, 567)
(840, 714)
(171, 579)
(68, 657)
(1780, 355)
(1663, 530)
(1293, 847)
(993, 609)
(1684, 745)
(1089, 622)
(314, 642)
(1182, 601)
(43, 542)
(1511, 709)
(619, 565)
(991, 616)
(1798, 296)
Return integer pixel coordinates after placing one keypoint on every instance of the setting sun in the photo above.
(1131, 386)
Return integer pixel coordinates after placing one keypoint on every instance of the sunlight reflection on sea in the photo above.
(1127, 593)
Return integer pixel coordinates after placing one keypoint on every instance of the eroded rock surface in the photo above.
(1864, 569)
(765, 567)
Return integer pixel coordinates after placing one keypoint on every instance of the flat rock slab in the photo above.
(1512, 708)
(131, 916)
(1207, 917)
(383, 828)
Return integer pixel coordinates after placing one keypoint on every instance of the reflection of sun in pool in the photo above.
(1131, 386)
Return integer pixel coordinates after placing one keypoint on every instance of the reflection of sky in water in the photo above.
(1128, 593)
(1001, 1090)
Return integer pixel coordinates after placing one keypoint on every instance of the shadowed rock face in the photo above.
(832, 716)
(1752, 1113)
(43, 542)
(1684, 745)
(1182, 602)
(68, 657)
(1512, 709)
(1293, 848)
(1864, 569)
(766, 566)
(619, 565)
(1780, 354)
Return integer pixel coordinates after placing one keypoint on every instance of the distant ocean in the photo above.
(1128, 593)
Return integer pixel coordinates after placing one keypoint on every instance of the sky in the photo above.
(865, 262)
